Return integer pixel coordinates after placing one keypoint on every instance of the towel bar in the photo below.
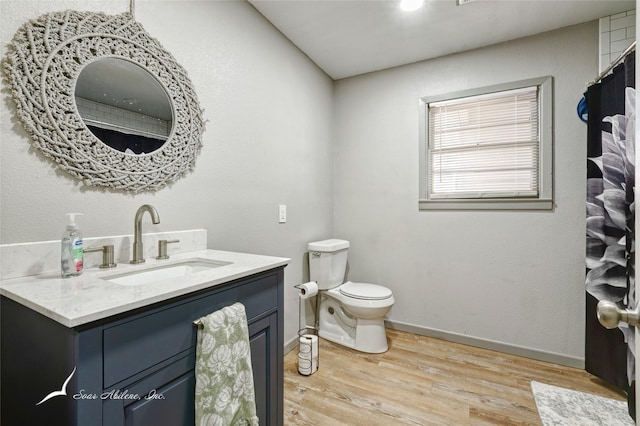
(199, 324)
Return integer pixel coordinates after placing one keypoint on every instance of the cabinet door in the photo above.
(264, 359)
(171, 404)
(163, 398)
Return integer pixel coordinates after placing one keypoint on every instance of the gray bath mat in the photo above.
(564, 407)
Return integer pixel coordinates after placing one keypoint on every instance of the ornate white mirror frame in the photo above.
(42, 66)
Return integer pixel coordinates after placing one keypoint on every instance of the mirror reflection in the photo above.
(124, 106)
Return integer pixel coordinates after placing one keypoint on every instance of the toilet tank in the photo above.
(328, 262)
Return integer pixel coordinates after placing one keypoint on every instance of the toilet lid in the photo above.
(365, 291)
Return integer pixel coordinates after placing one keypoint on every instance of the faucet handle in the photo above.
(162, 248)
(107, 255)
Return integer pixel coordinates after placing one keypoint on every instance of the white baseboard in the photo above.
(536, 354)
(290, 345)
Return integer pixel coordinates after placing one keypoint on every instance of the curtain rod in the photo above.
(628, 50)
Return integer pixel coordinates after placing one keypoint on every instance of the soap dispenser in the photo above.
(71, 255)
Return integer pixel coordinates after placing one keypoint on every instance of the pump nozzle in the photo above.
(72, 219)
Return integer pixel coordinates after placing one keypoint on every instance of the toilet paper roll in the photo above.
(304, 371)
(313, 340)
(308, 354)
(305, 347)
(308, 290)
(304, 364)
(307, 366)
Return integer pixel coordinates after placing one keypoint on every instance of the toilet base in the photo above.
(364, 335)
(371, 336)
(374, 342)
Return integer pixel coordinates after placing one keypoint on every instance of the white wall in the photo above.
(267, 141)
(516, 278)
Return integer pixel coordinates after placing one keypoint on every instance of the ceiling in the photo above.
(351, 37)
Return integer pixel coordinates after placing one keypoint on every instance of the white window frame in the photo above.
(544, 200)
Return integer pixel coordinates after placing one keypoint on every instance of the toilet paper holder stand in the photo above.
(316, 320)
(307, 329)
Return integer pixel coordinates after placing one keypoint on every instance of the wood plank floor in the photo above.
(423, 381)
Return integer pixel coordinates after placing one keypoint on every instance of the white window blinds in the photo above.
(484, 146)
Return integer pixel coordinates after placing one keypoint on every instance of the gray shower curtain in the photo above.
(610, 354)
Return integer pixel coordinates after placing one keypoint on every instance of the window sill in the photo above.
(488, 204)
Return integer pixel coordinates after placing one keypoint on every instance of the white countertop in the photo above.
(90, 297)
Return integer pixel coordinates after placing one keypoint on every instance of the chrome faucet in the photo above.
(138, 252)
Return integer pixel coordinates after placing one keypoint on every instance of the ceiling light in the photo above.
(410, 5)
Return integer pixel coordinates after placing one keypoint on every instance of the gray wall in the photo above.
(267, 141)
(343, 157)
(515, 278)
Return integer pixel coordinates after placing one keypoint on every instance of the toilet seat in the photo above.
(365, 291)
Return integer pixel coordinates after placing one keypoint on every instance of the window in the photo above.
(488, 148)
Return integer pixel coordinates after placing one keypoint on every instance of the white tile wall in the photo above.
(135, 123)
(617, 32)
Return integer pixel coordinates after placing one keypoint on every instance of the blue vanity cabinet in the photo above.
(136, 368)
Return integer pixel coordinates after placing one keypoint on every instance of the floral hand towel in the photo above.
(224, 378)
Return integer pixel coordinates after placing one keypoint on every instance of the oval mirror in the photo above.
(124, 106)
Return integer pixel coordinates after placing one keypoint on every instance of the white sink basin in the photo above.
(177, 270)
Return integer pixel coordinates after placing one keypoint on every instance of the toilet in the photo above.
(351, 313)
